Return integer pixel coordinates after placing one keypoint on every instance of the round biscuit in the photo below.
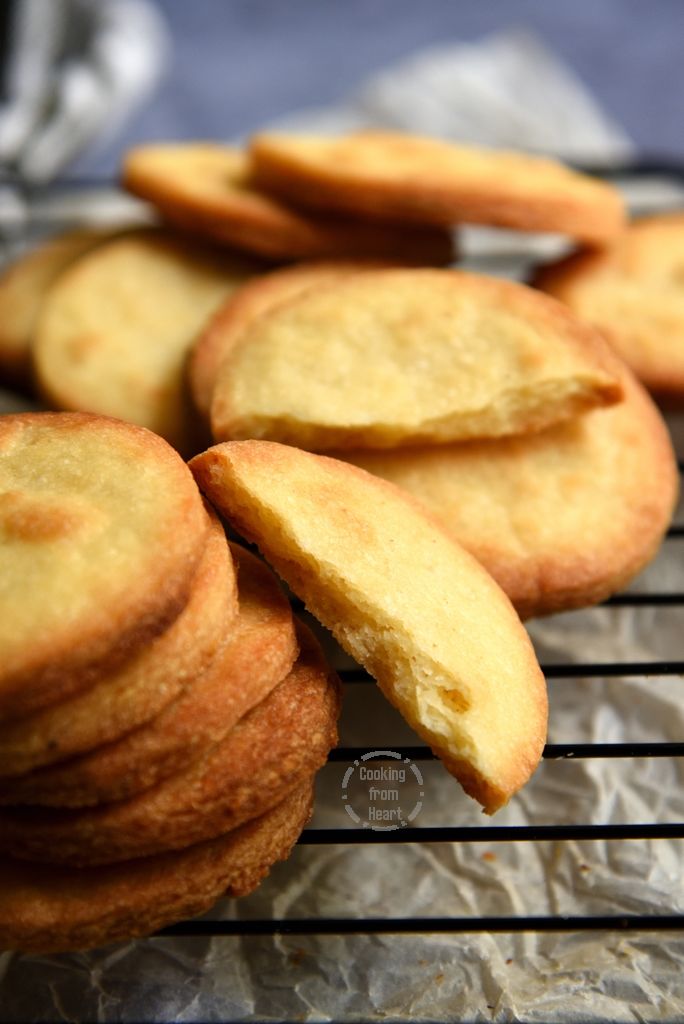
(404, 356)
(393, 177)
(633, 292)
(114, 332)
(101, 531)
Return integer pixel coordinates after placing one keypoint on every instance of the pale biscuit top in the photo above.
(402, 597)
(634, 292)
(116, 328)
(392, 176)
(207, 189)
(252, 299)
(394, 357)
(101, 528)
(562, 518)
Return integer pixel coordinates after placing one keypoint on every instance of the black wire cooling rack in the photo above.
(17, 230)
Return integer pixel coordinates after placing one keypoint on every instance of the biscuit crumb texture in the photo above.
(403, 598)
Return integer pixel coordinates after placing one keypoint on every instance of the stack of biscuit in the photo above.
(162, 715)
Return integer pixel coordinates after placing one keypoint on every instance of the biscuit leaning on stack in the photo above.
(207, 190)
(402, 597)
(161, 707)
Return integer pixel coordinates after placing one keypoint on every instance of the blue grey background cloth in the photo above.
(237, 64)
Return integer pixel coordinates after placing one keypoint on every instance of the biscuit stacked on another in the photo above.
(402, 597)
(161, 714)
(209, 190)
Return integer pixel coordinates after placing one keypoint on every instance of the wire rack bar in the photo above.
(552, 751)
(426, 925)
(580, 670)
(489, 834)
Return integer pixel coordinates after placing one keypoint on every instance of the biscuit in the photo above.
(402, 597)
(23, 285)
(560, 519)
(114, 333)
(101, 530)
(248, 303)
(140, 688)
(206, 189)
(633, 292)
(56, 909)
(393, 177)
(257, 656)
(270, 752)
(403, 356)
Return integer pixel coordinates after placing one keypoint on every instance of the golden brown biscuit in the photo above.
(248, 303)
(634, 293)
(137, 690)
(53, 909)
(258, 654)
(270, 752)
(560, 519)
(402, 597)
(393, 357)
(23, 286)
(101, 530)
(393, 177)
(206, 189)
(115, 331)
